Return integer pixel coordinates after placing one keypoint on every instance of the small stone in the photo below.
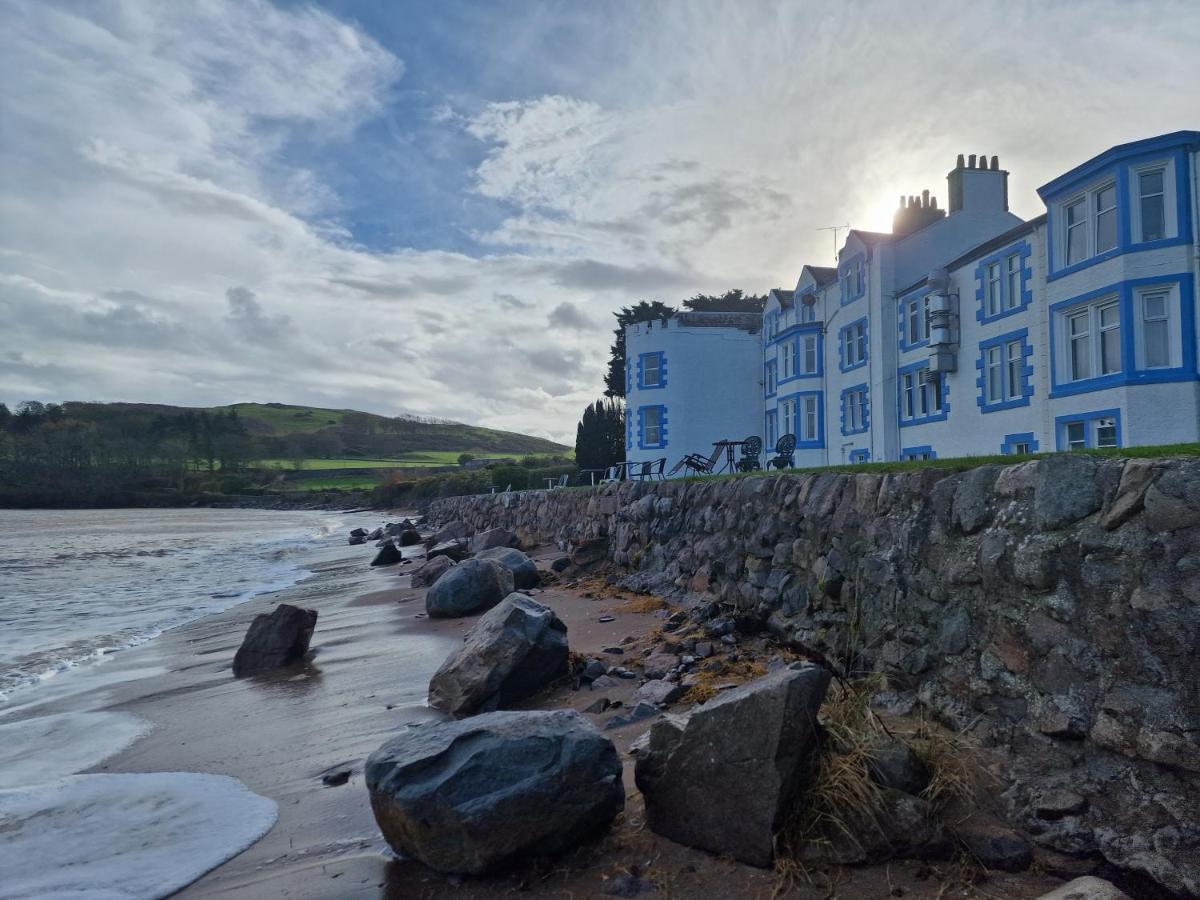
(622, 672)
(594, 669)
(628, 885)
(639, 713)
(560, 564)
(334, 779)
(996, 848)
(728, 639)
(598, 706)
(604, 681)
(704, 649)
(615, 651)
(658, 692)
(1057, 804)
(607, 619)
(1086, 888)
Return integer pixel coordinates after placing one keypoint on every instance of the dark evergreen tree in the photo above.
(643, 311)
(600, 435)
(731, 301)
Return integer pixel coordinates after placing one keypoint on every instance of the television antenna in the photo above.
(835, 229)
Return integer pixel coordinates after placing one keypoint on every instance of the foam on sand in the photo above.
(46, 748)
(117, 837)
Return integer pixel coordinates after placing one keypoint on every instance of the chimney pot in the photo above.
(925, 199)
(971, 161)
(933, 202)
(902, 201)
(959, 164)
(995, 164)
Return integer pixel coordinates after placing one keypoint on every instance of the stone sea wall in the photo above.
(1052, 607)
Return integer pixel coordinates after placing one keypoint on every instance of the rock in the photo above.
(561, 564)
(659, 664)
(896, 765)
(456, 550)
(452, 531)
(1057, 804)
(389, 554)
(524, 570)
(1173, 502)
(409, 537)
(1086, 888)
(589, 551)
(658, 692)
(622, 672)
(491, 539)
(594, 669)
(431, 571)
(603, 681)
(358, 532)
(598, 706)
(604, 619)
(1065, 490)
(470, 587)
(704, 649)
(639, 713)
(615, 651)
(740, 758)
(275, 639)
(356, 539)
(336, 779)
(996, 848)
(466, 796)
(513, 651)
(375, 535)
(627, 884)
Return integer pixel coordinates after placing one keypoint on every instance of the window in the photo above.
(808, 312)
(993, 289)
(1152, 205)
(788, 410)
(1020, 448)
(808, 363)
(771, 430)
(1012, 274)
(1090, 224)
(853, 279)
(788, 351)
(922, 395)
(1004, 375)
(853, 346)
(914, 321)
(1093, 334)
(855, 414)
(861, 455)
(810, 423)
(909, 453)
(1106, 218)
(651, 370)
(771, 378)
(652, 427)
(1156, 332)
(1087, 430)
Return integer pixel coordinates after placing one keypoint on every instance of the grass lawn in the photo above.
(414, 459)
(335, 482)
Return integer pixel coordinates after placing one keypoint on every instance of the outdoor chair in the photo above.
(699, 464)
(785, 447)
(649, 470)
(751, 448)
(559, 482)
(611, 474)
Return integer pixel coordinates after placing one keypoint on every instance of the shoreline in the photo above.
(365, 679)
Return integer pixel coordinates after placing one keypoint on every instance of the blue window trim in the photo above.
(842, 334)
(931, 417)
(861, 455)
(662, 431)
(770, 423)
(1117, 163)
(628, 430)
(846, 272)
(768, 369)
(914, 452)
(866, 408)
(628, 377)
(902, 319)
(1129, 374)
(662, 371)
(793, 330)
(1023, 437)
(1061, 423)
(819, 443)
(1025, 251)
(1021, 334)
(793, 336)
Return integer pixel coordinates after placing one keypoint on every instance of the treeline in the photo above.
(51, 457)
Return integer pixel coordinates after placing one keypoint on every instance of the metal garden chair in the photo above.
(699, 464)
(785, 449)
(650, 470)
(751, 448)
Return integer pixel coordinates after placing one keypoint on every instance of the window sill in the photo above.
(1121, 379)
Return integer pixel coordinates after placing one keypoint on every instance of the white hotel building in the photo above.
(965, 331)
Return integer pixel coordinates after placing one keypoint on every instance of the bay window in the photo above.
(1094, 340)
(1090, 224)
(809, 365)
(1152, 210)
(1156, 331)
(810, 427)
(788, 351)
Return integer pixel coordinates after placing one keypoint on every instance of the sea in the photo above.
(78, 585)
(76, 588)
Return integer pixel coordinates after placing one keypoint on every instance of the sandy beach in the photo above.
(366, 678)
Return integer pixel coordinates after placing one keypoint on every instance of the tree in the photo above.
(5, 417)
(731, 301)
(643, 311)
(464, 458)
(600, 435)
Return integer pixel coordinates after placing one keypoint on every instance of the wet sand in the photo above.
(373, 653)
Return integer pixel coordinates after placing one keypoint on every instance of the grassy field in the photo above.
(334, 483)
(414, 459)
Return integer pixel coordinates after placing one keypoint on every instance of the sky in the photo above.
(435, 208)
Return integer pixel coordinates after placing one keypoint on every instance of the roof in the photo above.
(823, 275)
(871, 237)
(783, 293)
(979, 250)
(745, 321)
(1114, 154)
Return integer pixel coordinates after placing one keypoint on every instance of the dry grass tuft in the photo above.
(706, 686)
(645, 603)
(954, 764)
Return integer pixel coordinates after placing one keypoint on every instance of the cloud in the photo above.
(248, 319)
(568, 315)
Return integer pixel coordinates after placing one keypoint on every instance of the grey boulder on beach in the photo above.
(275, 639)
(468, 795)
(470, 587)
(513, 651)
(524, 569)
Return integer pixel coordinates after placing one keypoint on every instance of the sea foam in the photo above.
(46, 748)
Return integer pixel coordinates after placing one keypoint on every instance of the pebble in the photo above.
(607, 619)
(334, 779)
(615, 651)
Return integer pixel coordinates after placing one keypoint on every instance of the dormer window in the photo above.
(1090, 223)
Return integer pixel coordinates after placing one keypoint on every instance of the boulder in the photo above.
(514, 650)
(431, 571)
(658, 692)
(638, 713)
(894, 764)
(452, 531)
(466, 796)
(741, 758)
(357, 539)
(375, 535)
(456, 550)
(389, 554)
(995, 847)
(1086, 888)
(560, 564)
(408, 537)
(589, 551)
(275, 639)
(470, 587)
(492, 538)
(524, 570)
(358, 532)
